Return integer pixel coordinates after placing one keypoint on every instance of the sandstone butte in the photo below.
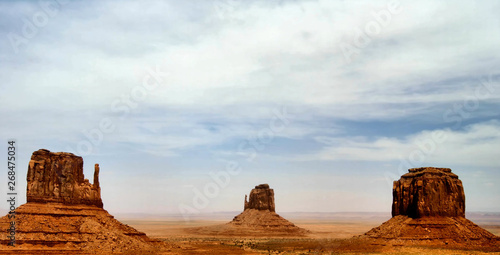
(428, 207)
(64, 213)
(259, 213)
(257, 219)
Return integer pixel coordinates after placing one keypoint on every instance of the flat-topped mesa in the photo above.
(428, 191)
(58, 177)
(261, 198)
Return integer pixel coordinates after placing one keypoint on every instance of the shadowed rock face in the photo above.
(428, 191)
(58, 177)
(261, 198)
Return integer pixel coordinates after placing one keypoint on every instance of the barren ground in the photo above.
(329, 235)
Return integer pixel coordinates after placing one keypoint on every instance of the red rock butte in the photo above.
(257, 219)
(64, 213)
(261, 198)
(58, 177)
(259, 212)
(428, 191)
(429, 208)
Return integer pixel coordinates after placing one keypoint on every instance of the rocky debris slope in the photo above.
(74, 227)
(262, 219)
(64, 213)
(430, 228)
(429, 208)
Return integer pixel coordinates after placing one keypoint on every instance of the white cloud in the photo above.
(265, 54)
(475, 145)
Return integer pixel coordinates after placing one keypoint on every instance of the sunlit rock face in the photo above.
(261, 198)
(58, 177)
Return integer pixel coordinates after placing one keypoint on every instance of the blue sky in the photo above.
(327, 101)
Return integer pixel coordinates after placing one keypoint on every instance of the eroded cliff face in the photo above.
(428, 191)
(58, 177)
(261, 198)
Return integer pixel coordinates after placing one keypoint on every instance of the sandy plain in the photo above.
(330, 234)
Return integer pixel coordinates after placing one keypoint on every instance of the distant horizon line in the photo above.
(286, 212)
(235, 212)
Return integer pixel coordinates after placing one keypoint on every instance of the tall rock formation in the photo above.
(258, 218)
(429, 208)
(64, 214)
(261, 198)
(428, 191)
(58, 177)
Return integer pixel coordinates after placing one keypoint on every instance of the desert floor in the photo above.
(330, 234)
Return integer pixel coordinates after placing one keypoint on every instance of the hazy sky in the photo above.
(327, 101)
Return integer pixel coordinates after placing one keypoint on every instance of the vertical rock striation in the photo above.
(261, 198)
(58, 177)
(428, 191)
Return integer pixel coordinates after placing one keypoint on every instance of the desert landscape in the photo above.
(437, 225)
(330, 233)
(142, 127)
(64, 215)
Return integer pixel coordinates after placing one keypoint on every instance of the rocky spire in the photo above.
(96, 176)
